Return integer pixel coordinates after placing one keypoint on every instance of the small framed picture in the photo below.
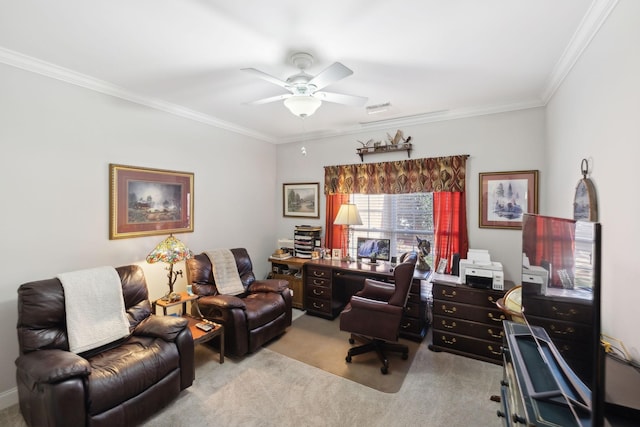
(336, 253)
(301, 200)
(442, 266)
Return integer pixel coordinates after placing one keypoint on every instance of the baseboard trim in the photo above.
(9, 398)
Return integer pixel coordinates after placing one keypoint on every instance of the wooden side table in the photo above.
(184, 299)
(199, 336)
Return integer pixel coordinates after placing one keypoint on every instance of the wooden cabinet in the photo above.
(414, 323)
(466, 321)
(322, 297)
(291, 270)
(569, 325)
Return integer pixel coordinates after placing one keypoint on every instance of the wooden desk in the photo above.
(295, 281)
(329, 284)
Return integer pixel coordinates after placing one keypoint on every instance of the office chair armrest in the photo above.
(359, 303)
(377, 290)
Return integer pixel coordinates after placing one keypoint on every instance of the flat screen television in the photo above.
(561, 293)
(373, 249)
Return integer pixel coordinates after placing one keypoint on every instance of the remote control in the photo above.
(204, 326)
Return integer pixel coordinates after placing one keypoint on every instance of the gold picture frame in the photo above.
(146, 202)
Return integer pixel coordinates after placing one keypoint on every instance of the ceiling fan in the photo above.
(305, 95)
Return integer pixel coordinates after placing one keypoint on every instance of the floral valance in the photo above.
(405, 176)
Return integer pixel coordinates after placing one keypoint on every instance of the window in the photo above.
(402, 218)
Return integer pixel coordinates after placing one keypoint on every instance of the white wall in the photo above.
(595, 115)
(57, 142)
(497, 142)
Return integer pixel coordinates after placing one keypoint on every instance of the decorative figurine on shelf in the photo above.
(398, 139)
(424, 249)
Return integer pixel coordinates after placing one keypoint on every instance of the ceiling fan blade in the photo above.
(329, 75)
(340, 98)
(270, 99)
(267, 77)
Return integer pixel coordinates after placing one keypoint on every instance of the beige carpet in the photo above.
(319, 342)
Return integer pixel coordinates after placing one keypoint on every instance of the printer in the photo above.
(478, 271)
(534, 277)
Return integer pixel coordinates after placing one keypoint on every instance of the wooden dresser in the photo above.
(569, 325)
(467, 321)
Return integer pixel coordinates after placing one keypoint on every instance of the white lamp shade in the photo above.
(302, 106)
(348, 215)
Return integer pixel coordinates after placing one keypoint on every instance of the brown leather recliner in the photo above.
(250, 319)
(119, 384)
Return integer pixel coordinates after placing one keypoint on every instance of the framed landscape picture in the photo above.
(145, 202)
(506, 196)
(301, 200)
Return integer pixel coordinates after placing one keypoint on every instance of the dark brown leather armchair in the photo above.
(373, 315)
(251, 319)
(119, 384)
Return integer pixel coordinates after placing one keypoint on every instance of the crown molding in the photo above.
(435, 116)
(591, 23)
(35, 65)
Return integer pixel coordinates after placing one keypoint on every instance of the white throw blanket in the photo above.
(225, 272)
(94, 307)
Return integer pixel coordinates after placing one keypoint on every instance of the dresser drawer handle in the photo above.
(491, 300)
(448, 310)
(452, 341)
(451, 295)
(316, 292)
(317, 282)
(496, 319)
(492, 351)
(494, 335)
(451, 326)
(570, 313)
(406, 325)
(316, 305)
(318, 273)
(568, 331)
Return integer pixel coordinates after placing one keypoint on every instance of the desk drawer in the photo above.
(464, 327)
(466, 295)
(318, 292)
(469, 312)
(316, 281)
(412, 325)
(459, 343)
(323, 306)
(317, 272)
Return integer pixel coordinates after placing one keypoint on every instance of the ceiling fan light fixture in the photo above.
(302, 106)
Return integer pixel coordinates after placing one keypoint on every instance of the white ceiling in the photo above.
(432, 59)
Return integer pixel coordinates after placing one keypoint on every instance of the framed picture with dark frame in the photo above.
(146, 202)
(301, 200)
(506, 196)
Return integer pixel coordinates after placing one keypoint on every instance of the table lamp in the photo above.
(348, 215)
(170, 251)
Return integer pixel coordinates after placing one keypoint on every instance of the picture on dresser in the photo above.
(506, 196)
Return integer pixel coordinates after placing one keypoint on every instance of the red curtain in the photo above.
(336, 235)
(450, 226)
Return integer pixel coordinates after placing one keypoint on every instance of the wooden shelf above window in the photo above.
(384, 149)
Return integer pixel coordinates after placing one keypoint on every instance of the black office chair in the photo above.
(373, 315)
